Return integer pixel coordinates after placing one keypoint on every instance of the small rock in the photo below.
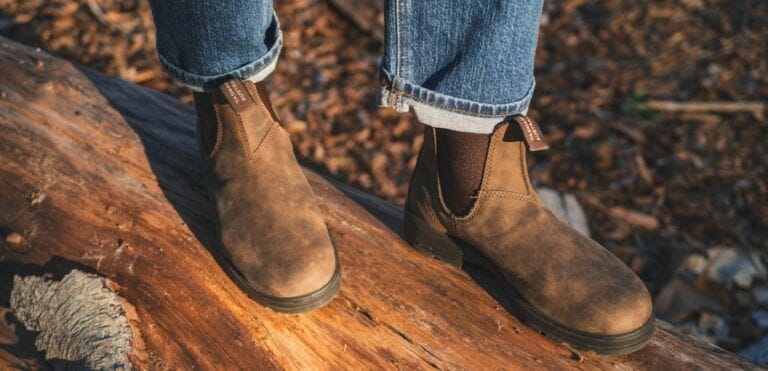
(692, 328)
(695, 264)
(567, 208)
(677, 300)
(713, 325)
(728, 266)
(761, 319)
(760, 293)
(757, 352)
(743, 329)
(6, 24)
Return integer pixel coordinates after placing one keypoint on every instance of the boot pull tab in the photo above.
(534, 138)
(236, 94)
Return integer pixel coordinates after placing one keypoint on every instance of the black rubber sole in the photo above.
(457, 252)
(296, 304)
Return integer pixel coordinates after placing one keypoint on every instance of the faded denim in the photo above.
(460, 65)
(202, 43)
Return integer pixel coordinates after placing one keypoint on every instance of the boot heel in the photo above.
(429, 241)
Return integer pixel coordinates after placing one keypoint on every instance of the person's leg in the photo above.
(461, 68)
(272, 237)
(203, 43)
(465, 68)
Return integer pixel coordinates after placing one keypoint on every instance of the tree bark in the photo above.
(102, 176)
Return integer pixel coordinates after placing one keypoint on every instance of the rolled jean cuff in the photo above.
(254, 71)
(447, 112)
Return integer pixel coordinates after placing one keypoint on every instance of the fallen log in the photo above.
(101, 176)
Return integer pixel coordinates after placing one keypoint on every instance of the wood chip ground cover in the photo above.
(658, 186)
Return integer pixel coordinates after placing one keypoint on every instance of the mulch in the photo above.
(658, 185)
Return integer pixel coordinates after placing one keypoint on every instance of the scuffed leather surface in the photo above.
(565, 275)
(271, 228)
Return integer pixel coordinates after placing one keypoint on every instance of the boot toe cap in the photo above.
(302, 280)
(628, 315)
(289, 278)
(615, 313)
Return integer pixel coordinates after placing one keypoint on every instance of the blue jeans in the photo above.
(460, 65)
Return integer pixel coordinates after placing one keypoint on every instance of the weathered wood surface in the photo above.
(101, 175)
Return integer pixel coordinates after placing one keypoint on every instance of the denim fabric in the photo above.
(202, 43)
(461, 65)
(464, 65)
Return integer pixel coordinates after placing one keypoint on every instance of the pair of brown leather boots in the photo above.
(276, 246)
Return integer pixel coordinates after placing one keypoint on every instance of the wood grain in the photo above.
(102, 175)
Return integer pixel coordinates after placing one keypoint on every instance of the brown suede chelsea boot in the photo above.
(558, 281)
(273, 239)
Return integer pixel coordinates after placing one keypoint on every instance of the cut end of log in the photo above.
(79, 319)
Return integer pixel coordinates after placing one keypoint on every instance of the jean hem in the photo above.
(255, 71)
(447, 112)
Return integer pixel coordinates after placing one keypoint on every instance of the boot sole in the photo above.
(296, 304)
(456, 252)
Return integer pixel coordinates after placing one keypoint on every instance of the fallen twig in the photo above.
(756, 108)
(633, 218)
(97, 12)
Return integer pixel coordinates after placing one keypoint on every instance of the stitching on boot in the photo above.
(430, 213)
(219, 131)
(262, 108)
(491, 161)
(484, 194)
(436, 179)
(241, 130)
(484, 182)
(478, 204)
(426, 208)
(253, 92)
(524, 169)
(509, 194)
(264, 143)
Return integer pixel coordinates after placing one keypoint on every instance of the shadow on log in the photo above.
(102, 175)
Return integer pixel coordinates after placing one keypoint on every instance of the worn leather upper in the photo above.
(271, 228)
(565, 275)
